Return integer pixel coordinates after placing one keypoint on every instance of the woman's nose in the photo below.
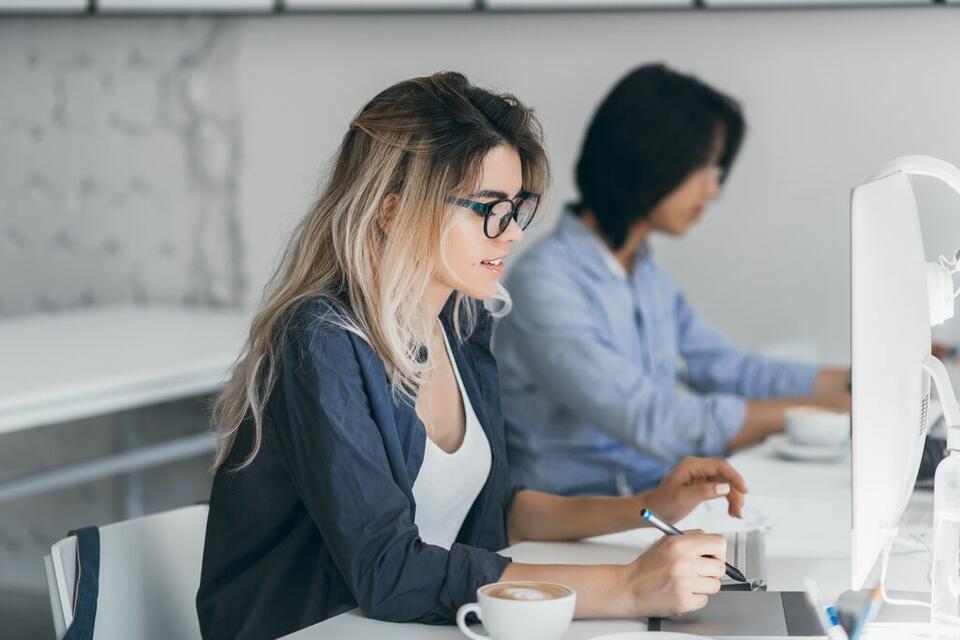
(513, 233)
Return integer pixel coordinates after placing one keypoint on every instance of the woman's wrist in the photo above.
(628, 510)
(650, 499)
(621, 596)
(603, 591)
(662, 501)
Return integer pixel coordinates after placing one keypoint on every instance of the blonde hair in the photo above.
(421, 140)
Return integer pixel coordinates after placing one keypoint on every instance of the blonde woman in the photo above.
(363, 458)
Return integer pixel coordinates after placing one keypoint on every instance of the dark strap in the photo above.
(88, 584)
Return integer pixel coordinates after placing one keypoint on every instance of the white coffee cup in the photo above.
(815, 427)
(521, 610)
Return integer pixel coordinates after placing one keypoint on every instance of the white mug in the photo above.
(521, 610)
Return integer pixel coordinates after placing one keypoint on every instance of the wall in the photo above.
(829, 96)
(119, 148)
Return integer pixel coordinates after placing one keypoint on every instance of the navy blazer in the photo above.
(323, 519)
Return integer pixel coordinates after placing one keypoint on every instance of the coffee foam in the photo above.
(526, 591)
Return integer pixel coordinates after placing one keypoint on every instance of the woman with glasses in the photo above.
(609, 376)
(362, 459)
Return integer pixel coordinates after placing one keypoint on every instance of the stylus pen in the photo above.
(670, 530)
(827, 616)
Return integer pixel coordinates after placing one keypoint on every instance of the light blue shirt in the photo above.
(608, 379)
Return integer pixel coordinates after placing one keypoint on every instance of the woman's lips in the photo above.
(496, 268)
(494, 264)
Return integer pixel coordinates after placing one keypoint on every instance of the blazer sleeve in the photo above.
(481, 340)
(336, 453)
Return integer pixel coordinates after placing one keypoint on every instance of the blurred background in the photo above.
(152, 162)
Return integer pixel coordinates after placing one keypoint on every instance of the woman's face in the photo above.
(685, 204)
(474, 261)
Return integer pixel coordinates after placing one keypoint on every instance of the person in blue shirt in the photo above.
(362, 458)
(609, 375)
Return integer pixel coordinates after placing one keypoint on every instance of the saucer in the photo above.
(786, 448)
(649, 635)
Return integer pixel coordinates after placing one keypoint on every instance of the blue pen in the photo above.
(836, 630)
(667, 528)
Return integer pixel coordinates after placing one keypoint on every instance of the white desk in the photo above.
(85, 363)
(808, 521)
(72, 365)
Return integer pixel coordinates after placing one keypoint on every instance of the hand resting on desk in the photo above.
(693, 481)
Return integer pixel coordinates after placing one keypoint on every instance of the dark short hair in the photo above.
(653, 129)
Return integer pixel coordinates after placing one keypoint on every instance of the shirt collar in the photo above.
(595, 253)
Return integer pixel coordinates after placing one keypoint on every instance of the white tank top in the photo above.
(448, 483)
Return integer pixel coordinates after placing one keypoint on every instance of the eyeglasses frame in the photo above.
(485, 209)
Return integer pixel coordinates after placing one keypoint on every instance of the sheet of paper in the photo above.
(712, 516)
(798, 528)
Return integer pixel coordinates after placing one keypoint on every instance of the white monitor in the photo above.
(896, 297)
(890, 342)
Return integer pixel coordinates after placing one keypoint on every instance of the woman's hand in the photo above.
(693, 481)
(675, 575)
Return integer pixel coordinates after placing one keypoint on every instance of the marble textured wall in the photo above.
(119, 148)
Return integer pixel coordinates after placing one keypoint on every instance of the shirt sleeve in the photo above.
(714, 364)
(335, 450)
(562, 342)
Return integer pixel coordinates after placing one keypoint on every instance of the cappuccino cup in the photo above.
(813, 427)
(521, 610)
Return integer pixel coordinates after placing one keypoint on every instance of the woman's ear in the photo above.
(388, 209)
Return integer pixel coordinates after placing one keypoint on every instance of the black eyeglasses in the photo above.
(498, 214)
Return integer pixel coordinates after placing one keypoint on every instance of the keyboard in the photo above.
(747, 552)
